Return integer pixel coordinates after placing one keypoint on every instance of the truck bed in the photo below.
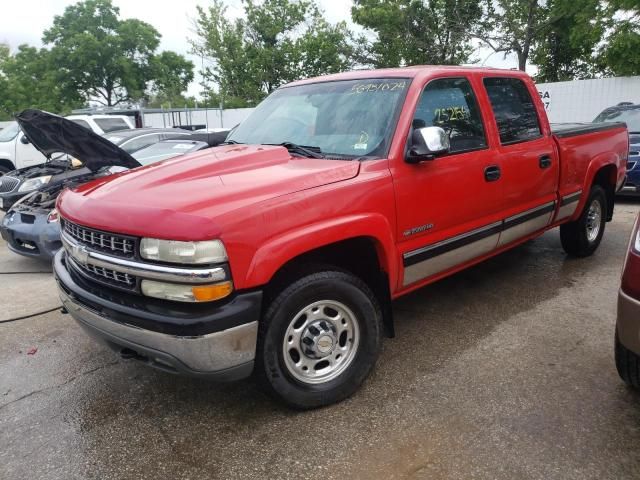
(563, 130)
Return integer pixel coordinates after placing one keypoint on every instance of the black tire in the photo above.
(574, 236)
(271, 367)
(4, 170)
(627, 364)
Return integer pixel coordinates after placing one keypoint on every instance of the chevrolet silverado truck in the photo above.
(278, 254)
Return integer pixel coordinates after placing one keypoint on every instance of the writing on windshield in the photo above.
(341, 119)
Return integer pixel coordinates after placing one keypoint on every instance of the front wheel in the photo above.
(319, 339)
(582, 237)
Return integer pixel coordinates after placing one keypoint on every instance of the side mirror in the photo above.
(24, 140)
(427, 143)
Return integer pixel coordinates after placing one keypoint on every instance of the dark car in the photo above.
(627, 337)
(31, 227)
(630, 114)
(15, 185)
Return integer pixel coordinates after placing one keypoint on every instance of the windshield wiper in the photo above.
(306, 150)
(231, 142)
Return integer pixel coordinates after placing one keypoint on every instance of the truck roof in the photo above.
(407, 72)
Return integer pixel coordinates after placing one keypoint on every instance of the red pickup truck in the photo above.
(279, 253)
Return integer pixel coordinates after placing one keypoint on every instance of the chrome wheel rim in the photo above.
(321, 342)
(594, 217)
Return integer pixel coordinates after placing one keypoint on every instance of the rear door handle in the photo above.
(492, 173)
(545, 161)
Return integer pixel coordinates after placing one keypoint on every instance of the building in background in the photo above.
(583, 100)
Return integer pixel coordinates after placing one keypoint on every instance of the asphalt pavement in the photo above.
(503, 371)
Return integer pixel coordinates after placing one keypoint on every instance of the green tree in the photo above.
(621, 52)
(29, 79)
(512, 26)
(566, 44)
(109, 60)
(277, 41)
(416, 32)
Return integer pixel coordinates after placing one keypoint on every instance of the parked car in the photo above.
(15, 185)
(279, 253)
(630, 114)
(133, 140)
(16, 152)
(103, 123)
(31, 227)
(627, 336)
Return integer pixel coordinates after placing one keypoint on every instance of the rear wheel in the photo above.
(319, 339)
(627, 364)
(582, 237)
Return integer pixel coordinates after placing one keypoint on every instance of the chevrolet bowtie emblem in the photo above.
(80, 253)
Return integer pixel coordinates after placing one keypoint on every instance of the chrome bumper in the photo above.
(628, 322)
(224, 355)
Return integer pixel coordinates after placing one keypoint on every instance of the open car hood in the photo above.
(51, 134)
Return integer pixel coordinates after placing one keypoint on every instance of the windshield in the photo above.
(344, 119)
(9, 132)
(631, 116)
(165, 150)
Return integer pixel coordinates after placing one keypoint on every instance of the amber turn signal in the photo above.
(209, 293)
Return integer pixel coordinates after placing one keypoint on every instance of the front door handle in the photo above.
(545, 161)
(492, 173)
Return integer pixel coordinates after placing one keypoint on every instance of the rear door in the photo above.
(528, 158)
(449, 208)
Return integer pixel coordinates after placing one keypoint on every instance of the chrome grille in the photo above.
(8, 184)
(108, 276)
(110, 243)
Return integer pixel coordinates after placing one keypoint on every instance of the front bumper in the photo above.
(31, 235)
(224, 348)
(628, 322)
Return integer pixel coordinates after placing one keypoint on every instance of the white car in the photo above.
(16, 151)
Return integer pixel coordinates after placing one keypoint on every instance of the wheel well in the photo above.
(8, 164)
(358, 256)
(606, 178)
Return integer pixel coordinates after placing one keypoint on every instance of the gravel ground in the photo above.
(504, 371)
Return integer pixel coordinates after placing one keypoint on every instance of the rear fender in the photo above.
(615, 177)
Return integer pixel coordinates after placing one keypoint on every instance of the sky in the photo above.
(23, 21)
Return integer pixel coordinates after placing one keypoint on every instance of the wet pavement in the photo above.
(503, 371)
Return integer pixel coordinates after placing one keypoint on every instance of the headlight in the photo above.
(172, 251)
(186, 293)
(34, 183)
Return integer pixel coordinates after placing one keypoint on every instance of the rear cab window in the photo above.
(513, 109)
(450, 103)
(111, 124)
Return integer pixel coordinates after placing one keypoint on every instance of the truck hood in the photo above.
(179, 198)
(50, 134)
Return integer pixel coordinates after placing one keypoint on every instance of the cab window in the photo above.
(513, 109)
(449, 103)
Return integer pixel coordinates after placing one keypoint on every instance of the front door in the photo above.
(449, 208)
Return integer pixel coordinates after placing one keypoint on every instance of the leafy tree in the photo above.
(277, 41)
(416, 32)
(107, 59)
(621, 52)
(512, 26)
(568, 39)
(30, 79)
